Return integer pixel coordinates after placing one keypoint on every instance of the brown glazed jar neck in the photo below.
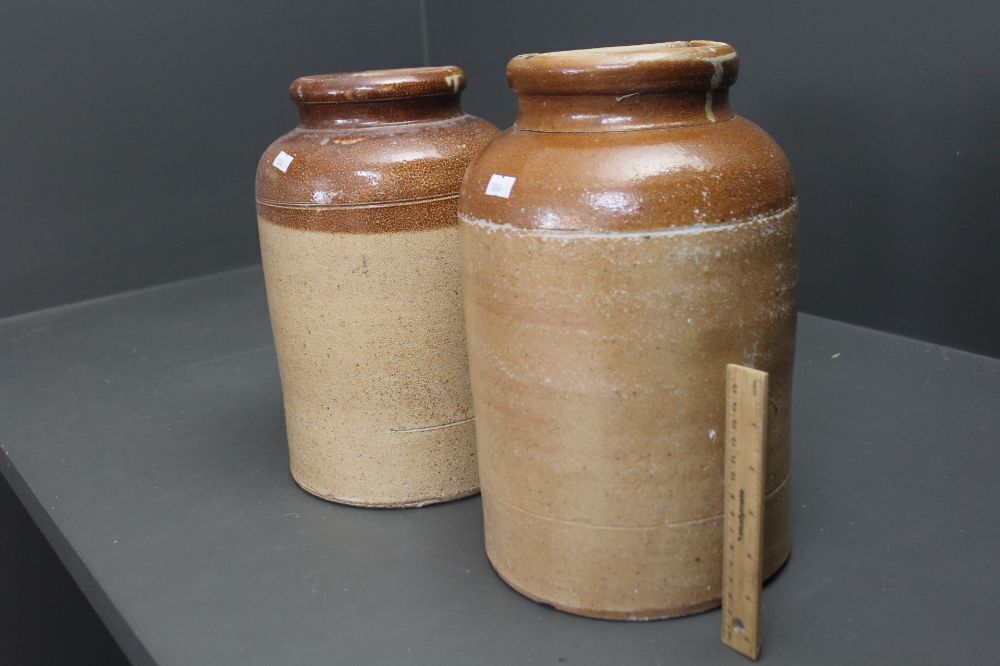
(647, 86)
(615, 113)
(345, 100)
(350, 115)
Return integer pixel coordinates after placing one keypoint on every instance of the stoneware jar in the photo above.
(622, 243)
(357, 219)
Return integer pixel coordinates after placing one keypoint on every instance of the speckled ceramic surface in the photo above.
(622, 243)
(357, 221)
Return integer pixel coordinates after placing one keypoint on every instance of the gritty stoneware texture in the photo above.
(358, 233)
(648, 239)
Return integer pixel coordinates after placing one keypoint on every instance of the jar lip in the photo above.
(691, 65)
(377, 85)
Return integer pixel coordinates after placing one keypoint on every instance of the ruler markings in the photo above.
(743, 519)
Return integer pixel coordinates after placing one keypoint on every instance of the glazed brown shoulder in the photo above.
(372, 138)
(372, 164)
(707, 173)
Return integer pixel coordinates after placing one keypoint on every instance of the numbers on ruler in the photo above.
(746, 419)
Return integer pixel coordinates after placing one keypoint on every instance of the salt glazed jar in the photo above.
(627, 239)
(358, 233)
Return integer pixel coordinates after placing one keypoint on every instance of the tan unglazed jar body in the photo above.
(357, 221)
(637, 237)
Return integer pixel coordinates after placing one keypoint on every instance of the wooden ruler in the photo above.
(743, 518)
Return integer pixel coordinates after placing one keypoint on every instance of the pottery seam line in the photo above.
(372, 204)
(671, 524)
(450, 424)
(396, 431)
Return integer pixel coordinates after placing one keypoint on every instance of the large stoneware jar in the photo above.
(622, 243)
(357, 218)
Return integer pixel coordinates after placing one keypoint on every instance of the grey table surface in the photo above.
(144, 434)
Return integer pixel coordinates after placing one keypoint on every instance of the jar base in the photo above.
(384, 504)
(640, 616)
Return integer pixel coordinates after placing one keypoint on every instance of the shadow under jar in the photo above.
(627, 239)
(357, 219)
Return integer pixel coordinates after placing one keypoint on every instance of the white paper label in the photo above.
(500, 186)
(282, 161)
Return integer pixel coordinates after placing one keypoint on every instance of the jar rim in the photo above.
(377, 85)
(691, 65)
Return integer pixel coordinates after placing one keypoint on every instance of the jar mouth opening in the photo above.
(690, 65)
(377, 85)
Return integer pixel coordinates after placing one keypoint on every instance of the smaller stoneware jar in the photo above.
(357, 219)
(627, 239)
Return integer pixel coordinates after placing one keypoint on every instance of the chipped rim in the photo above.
(377, 85)
(692, 65)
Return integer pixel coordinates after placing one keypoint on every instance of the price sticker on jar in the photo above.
(500, 186)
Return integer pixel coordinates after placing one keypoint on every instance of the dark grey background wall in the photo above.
(132, 130)
(887, 110)
(130, 134)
